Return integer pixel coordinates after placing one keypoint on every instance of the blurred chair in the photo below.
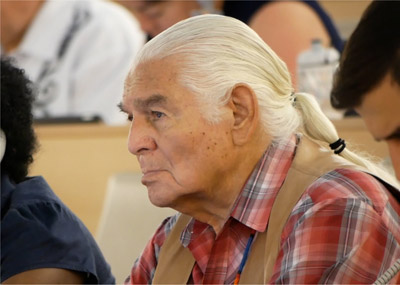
(127, 222)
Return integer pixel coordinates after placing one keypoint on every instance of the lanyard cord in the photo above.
(244, 258)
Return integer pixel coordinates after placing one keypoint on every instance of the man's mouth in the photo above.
(149, 176)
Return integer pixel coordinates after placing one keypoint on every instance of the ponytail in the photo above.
(318, 127)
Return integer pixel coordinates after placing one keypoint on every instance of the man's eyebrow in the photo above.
(153, 100)
(121, 107)
(142, 104)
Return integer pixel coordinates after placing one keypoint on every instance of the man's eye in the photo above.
(157, 114)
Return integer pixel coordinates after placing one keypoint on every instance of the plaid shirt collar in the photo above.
(253, 206)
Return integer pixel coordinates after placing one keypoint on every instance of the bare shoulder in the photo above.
(290, 11)
(288, 28)
(47, 276)
(291, 17)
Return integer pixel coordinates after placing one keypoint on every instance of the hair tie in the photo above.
(338, 146)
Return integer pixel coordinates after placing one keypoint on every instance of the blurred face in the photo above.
(156, 16)
(16, 17)
(182, 157)
(380, 110)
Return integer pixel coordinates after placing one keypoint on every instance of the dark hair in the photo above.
(372, 51)
(16, 121)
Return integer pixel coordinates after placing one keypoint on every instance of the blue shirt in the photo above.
(39, 231)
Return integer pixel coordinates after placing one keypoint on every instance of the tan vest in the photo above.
(175, 263)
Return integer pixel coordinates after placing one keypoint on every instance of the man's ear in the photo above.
(244, 104)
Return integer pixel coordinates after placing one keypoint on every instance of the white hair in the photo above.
(216, 52)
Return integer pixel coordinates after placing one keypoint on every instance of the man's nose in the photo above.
(140, 138)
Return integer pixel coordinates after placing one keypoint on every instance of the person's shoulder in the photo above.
(346, 183)
(284, 9)
(341, 191)
(39, 231)
(32, 190)
(289, 17)
(33, 200)
(113, 24)
(34, 206)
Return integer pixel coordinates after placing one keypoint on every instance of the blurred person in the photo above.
(42, 241)
(288, 27)
(76, 52)
(265, 189)
(368, 79)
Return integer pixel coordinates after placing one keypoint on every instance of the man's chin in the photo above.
(161, 203)
(158, 198)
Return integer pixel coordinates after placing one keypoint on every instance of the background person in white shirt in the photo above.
(76, 52)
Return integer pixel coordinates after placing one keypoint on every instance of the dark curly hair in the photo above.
(16, 121)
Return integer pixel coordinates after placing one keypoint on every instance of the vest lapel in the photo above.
(175, 262)
(310, 162)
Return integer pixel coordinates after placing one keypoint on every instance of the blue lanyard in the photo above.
(244, 258)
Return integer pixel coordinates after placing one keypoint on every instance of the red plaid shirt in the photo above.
(344, 229)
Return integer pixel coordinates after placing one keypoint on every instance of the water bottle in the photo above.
(315, 70)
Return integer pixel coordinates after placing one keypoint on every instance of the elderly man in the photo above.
(369, 75)
(222, 138)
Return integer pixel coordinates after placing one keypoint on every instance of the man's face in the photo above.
(380, 110)
(16, 17)
(156, 16)
(182, 156)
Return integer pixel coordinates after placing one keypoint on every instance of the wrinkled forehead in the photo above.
(139, 71)
(155, 76)
(153, 70)
(131, 78)
(135, 77)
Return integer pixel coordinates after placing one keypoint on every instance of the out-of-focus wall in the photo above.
(77, 161)
(345, 13)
